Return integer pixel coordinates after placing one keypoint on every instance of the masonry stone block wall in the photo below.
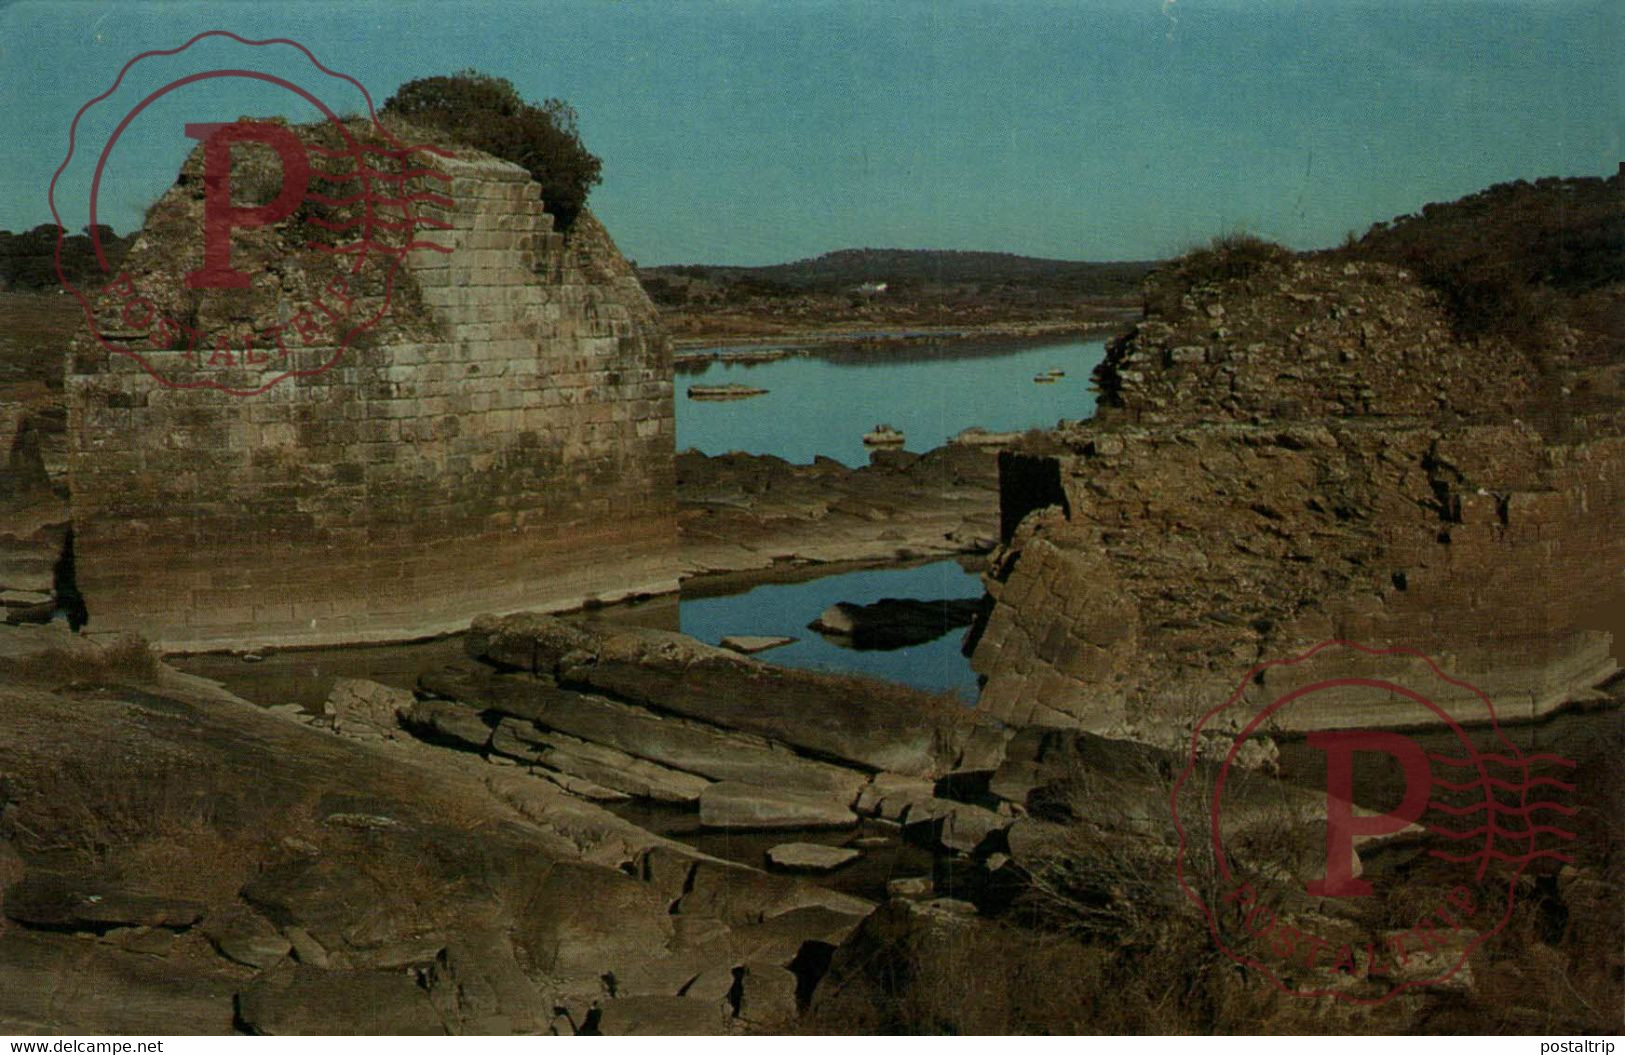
(501, 440)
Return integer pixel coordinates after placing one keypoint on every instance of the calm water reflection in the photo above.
(824, 404)
(786, 609)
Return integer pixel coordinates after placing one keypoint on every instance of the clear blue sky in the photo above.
(756, 132)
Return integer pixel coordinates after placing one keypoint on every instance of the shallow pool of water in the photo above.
(305, 676)
(785, 609)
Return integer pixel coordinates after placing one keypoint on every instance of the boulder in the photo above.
(149, 941)
(738, 895)
(357, 707)
(969, 829)
(716, 985)
(910, 887)
(730, 804)
(246, 937)
(810, 857)
(585, 921)
(12, 868)
(767, 996)
(341, 907)
(781, 939)
(307, 949)
(894, 789)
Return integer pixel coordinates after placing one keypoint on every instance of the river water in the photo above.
(824, 403)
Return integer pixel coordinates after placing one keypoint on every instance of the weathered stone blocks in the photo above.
(460, 457)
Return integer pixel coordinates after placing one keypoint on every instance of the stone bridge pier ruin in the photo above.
(501, 439)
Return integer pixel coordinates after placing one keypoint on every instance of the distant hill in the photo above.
(846, 269)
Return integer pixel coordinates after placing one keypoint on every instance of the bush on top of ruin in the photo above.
(488, 113)
(1237, 258)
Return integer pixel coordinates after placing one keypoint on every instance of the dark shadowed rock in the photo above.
(74, 902)
(448, 723)
(894, 622)
(657, 1016)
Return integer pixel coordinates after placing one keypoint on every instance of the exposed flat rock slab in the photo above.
(810, 857)
(693, 747)
(733, 805)
(872, 724)
(748, 644)
(70, 902)
(599, 765)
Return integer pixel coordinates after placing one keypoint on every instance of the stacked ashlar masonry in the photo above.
(502, 441)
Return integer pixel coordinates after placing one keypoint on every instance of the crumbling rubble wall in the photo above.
(1315, 461)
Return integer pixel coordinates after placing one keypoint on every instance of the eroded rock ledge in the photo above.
(743, 512)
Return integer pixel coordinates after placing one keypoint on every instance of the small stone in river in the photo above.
(811, 857)
(749, 643)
